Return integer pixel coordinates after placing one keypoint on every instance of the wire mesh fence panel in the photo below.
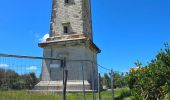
(17, 73)
(106, 84)
(37, 78)
(80, 79)
(18, 77)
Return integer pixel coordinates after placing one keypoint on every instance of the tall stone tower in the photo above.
(70, 37)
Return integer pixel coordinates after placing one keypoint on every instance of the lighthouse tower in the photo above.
(70, 37)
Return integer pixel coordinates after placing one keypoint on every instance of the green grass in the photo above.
(25, 95)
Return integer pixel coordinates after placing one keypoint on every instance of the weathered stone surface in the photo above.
(58, 85)
(77, 13)
(76, 45)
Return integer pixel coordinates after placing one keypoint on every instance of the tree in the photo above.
(152, 82)
(119, 80)
(106, 80)
(11, 80)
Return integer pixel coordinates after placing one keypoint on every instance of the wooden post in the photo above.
(84, 94)
(65, 83)
(99, 98)
(112, 84)
(63, 64)
(93, 85)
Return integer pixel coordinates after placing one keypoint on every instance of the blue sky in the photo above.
(125, 30)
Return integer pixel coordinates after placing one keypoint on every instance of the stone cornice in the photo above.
(71, 43)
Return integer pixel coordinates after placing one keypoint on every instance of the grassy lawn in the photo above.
(24, 95)
(120, 94)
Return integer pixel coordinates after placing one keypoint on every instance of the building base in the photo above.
(57, 86)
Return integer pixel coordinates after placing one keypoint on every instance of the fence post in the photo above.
(112, 84)
(94, 98)
(99, 98)
(83, 81)
(65, 82)
(63, 64)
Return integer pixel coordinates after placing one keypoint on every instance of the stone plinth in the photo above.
(82, 50)
(72, 86)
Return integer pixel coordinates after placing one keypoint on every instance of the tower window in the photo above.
(65, 29)
(66, 1)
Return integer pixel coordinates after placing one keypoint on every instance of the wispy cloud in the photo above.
(43, 39)
(36, 35)
(4, 65)
(31, 68)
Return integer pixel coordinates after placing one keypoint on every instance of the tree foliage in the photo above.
(152, 82)
(106, 80)
(11, 80)
(119, 80)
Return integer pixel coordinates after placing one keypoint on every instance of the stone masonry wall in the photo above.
(87, 23)
(74, 68)
(68, 13)
(77, 14)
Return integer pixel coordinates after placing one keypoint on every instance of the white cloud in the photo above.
(32, 68)
(4, 65)
(43, 39)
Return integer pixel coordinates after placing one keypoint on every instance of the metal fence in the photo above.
(40, 78)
